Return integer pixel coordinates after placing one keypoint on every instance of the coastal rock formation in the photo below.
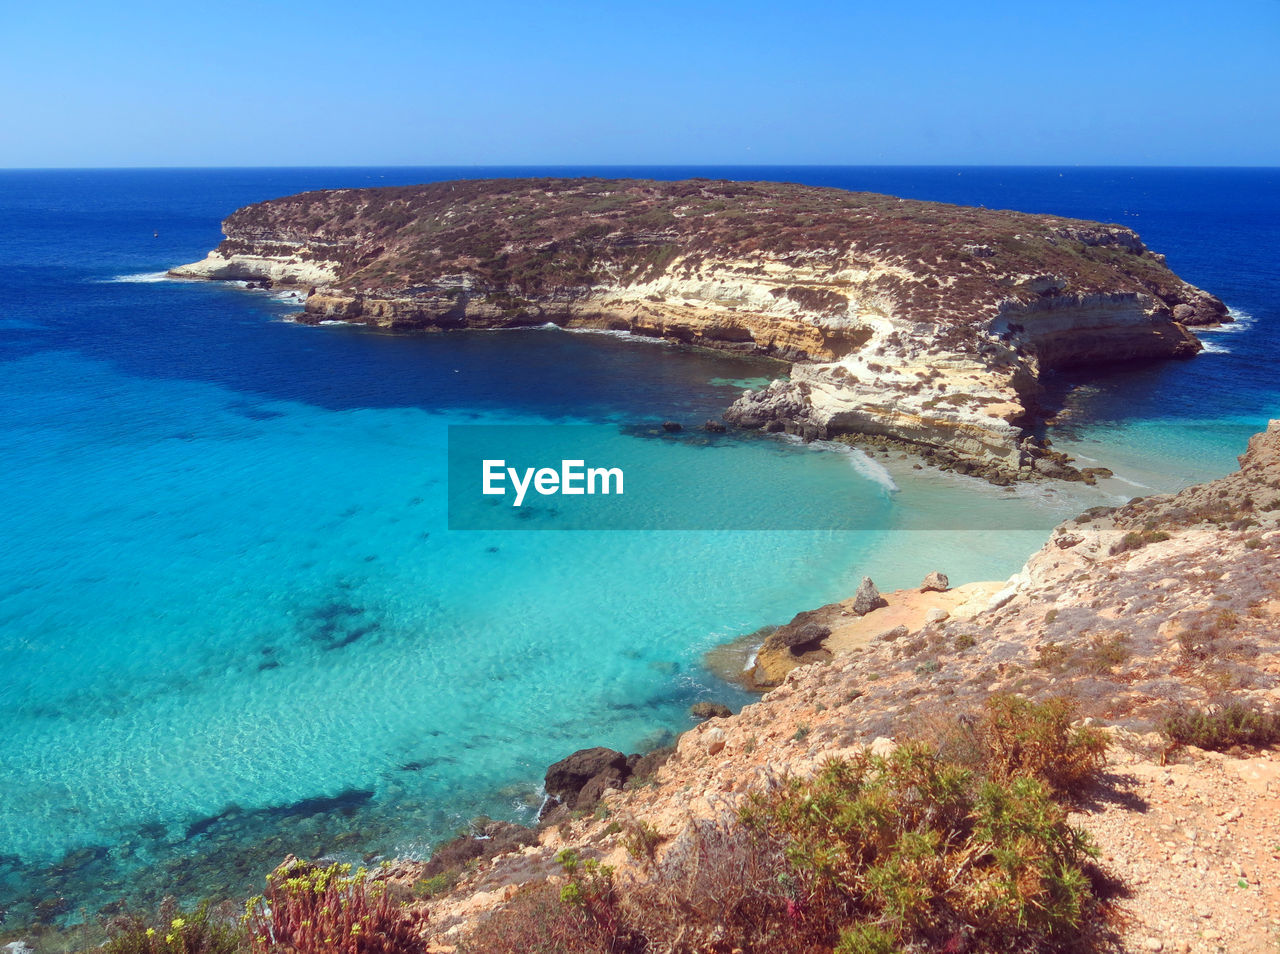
(789, 646)
(569, 778)
(1169, 604)
(926, 323)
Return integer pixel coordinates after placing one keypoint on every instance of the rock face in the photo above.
(568, 778)
(867, 597)
(926, 323)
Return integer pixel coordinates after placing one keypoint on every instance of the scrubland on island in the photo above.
(918, 322)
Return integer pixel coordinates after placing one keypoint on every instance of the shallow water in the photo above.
(234, 623)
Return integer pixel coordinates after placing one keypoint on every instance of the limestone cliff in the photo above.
(924, 322)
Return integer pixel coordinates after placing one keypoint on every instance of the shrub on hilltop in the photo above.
(962, 847)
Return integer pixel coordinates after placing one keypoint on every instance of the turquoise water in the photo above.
(234, 622)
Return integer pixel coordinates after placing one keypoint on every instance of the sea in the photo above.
(235, 622)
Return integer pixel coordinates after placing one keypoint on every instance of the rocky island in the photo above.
(922, 323)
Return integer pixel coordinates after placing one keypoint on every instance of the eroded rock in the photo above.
(867, 598)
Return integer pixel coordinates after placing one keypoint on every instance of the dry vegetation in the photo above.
(533, 237)
(964, 846)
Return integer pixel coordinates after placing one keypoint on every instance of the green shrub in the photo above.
(867, 939)
(1024, 739)
(1105, 653)
(1221, 729)
(440, 883)
(641, 840)
(910, 850)
(199, 932)
(1136, 540)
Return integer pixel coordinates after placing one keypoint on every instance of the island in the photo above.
(918, 323)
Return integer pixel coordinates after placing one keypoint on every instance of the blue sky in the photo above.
(421, 83)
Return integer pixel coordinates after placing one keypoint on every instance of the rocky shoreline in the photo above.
(1165, 607)
(923, 324)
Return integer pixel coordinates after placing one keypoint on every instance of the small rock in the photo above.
(867, 598)
(672, 426)
(714, 740)
(896, 633)
(710, 710)
(1153, 944)
(935, 582)
(714, 427)
(936, 615)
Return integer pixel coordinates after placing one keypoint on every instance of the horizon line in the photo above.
(634, 165)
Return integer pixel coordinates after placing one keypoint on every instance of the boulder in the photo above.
(936, 615)
(793, 636)
(867, 598)
(594, 790)
(672, 426)
(896, 633)
(714, 427)
(1056, 469)
(714, 740)
(710, 710)
(566, 778)
(935, 582)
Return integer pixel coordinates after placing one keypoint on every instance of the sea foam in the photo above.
(140, 278)
(1240, 321)
(858, 459)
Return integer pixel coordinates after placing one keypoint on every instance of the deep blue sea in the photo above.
(234, 622)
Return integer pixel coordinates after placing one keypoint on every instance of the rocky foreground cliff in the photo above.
(1158, 621)
(927, 323)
